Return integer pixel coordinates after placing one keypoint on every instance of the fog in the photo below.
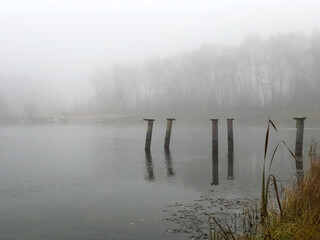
(98, 57)
(79, 77)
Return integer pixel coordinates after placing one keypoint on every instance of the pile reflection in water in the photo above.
(230, 148)
(215, 152)
(149, 175)
(169, 164)
(299, 146)
(215, 169)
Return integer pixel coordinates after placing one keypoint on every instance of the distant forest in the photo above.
(280, 72)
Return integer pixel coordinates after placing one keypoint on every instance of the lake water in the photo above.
(96, 181)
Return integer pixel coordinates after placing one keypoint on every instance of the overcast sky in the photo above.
(58, 44)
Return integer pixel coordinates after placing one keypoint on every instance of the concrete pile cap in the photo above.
(148, 119)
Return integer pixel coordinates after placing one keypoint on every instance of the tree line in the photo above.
(282, 71)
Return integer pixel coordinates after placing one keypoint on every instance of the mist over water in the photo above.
(76, 57)
(91, 181)
(78, 77)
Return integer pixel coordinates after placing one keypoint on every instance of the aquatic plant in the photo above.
(299, 210)
(300, 217)
(266, 181)
(222, 234)
(266, 216)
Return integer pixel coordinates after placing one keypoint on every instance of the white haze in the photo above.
(49, 50)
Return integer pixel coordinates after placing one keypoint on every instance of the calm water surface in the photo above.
(96, 181)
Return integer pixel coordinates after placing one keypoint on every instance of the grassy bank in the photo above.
(300, 217)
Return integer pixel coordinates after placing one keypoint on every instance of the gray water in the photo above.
(95, 181)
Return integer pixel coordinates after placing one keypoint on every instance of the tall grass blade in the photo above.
(223, 234)
(274, 152)
(289, 150)
(274, 126)
(210, 230)
(277, 193)
(266, 142)
(263, 192)
(231, 233)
